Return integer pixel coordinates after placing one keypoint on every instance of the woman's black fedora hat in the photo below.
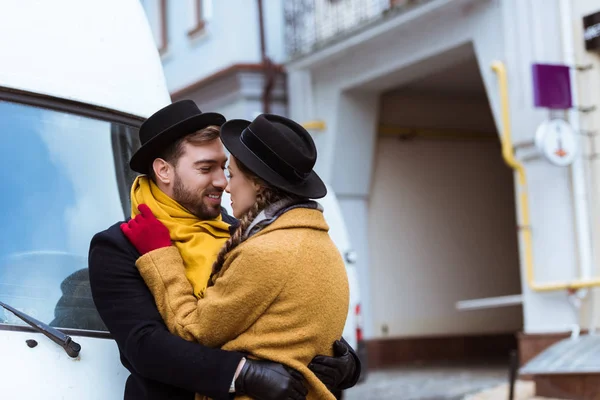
(277, 150)
(166, 126)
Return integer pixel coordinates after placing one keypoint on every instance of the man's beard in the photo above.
(194, 201)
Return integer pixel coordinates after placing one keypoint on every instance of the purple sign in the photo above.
(552, 86)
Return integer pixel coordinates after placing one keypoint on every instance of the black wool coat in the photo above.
(162, 365)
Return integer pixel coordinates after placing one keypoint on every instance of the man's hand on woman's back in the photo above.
(339, 372)
(266, 380)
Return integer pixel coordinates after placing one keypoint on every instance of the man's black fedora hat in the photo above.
(278, 150)
(166, 126)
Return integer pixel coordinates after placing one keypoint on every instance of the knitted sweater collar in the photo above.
(273, 211)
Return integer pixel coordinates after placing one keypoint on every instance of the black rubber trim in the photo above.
(71, 106)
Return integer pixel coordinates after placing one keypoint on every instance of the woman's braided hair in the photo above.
(267, 195)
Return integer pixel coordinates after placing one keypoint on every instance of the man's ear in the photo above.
(162, 170)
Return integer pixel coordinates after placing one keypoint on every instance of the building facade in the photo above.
(447, 197)
(214, 53)
(424, 113)
(588, 83)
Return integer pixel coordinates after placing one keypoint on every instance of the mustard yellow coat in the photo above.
(282, 295)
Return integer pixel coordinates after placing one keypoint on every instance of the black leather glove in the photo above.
(339, 372)
(266, 380)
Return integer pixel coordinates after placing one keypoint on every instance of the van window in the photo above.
(64, 178)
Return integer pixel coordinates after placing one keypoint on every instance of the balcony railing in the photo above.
(314, 24)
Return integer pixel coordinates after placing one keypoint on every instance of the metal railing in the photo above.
(314, 24)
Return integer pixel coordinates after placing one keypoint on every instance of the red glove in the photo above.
(145, 232)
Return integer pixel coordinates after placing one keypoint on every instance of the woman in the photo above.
(278, 289)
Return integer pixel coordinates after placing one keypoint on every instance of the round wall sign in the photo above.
(557, 140)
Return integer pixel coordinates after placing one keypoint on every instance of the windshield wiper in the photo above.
(71, 348)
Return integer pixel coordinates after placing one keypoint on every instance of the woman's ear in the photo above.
(258, 185)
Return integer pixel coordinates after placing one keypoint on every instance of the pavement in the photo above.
(441, 382)
(523, 391)
(429, 382)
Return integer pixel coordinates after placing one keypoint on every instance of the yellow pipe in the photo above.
(525, 222)
(316, 125)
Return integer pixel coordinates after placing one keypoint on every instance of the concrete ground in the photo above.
(441, 382)
(426, 382)
(523, 391)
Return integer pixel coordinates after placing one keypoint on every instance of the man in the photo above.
(185, 161)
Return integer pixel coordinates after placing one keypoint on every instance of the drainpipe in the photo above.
(267, 64)
(578, 172)
(524, 221)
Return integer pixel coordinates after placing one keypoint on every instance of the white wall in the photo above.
(588, 84)
(231, 36)
(238, 94)
(441, 230)
(344, 85)
(441, 223)
(274, 30)
(441, 33)
(531, 34)
(233, 110)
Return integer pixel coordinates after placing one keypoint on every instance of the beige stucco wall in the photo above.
(441, 224)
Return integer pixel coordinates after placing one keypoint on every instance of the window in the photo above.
(199, 13)
(401, 3)
(157, 14)
(65, 177)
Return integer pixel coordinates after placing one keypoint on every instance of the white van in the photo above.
(77, 78)
(353, 330)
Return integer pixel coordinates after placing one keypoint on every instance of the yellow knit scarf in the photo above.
(198, 241)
